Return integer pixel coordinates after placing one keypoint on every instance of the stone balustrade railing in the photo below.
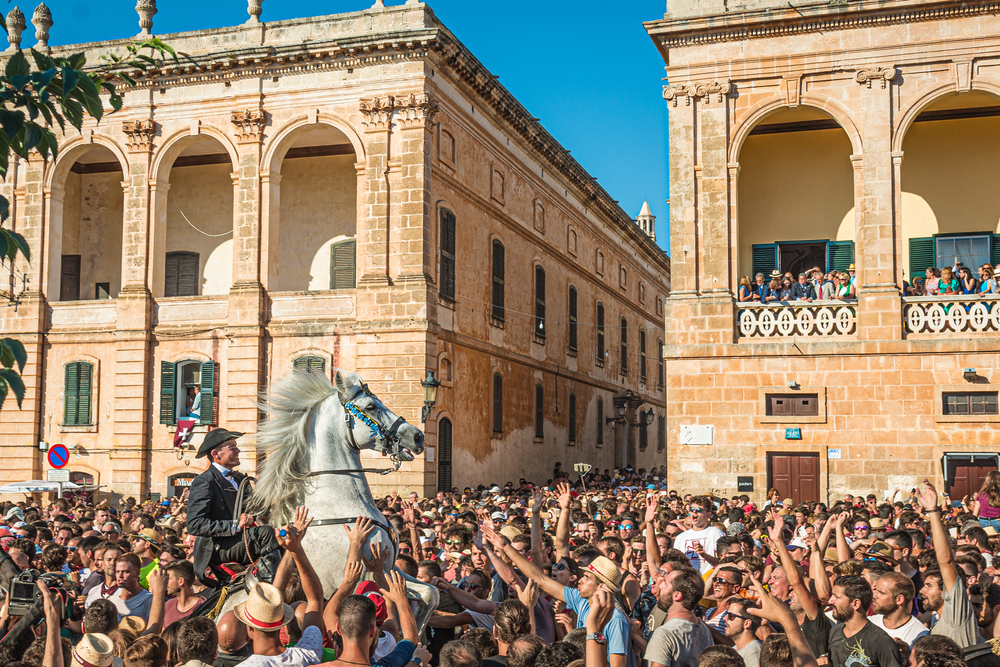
(951, 314)
(796, 318)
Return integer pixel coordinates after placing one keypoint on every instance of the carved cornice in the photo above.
(700, 90)
(249, 125)
(883, 74)
(140, 134)
(377, 113)
(416, 111)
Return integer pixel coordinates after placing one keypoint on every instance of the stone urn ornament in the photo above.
(146, 9)
(15, 26)
(42, 20)
(254, 9)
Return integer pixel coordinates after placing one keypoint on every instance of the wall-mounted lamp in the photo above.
(969, 374)
(649, 417)
(430, 385)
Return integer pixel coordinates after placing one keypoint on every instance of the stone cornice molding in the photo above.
(881, 74)
(700, 90)
(249, 125)
(806, 18)
(140, 134)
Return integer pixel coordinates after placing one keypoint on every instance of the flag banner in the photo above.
(185, 429)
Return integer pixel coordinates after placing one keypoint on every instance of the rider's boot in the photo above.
(267, 566)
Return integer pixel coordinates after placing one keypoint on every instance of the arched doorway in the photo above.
(795, 195)
(179, 483)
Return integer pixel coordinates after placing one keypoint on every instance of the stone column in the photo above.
(879, 305)
(373, 228)
(411, 241)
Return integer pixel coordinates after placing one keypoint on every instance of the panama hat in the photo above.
(264, 609)
(94, 650)
(606, 571)
(775, 274)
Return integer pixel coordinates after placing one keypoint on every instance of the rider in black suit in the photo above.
(212, 508)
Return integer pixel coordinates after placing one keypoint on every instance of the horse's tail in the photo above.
(283, 439)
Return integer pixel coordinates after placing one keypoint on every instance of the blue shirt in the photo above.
(616, 631)
(399, 655)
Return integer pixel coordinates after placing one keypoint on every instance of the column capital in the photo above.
(698, 90)
(416, 111)
(249, 125)
(377, 113)
(140, 134)
(883, 74)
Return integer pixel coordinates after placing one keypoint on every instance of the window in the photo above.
(970, 403)
(77, 398)
(498, 273)
(188, 389)
(343, 263)
(661, 433)
(642, 355)
(600, 421)
(69, 282)
(972, 250)
(310, 363)
(800, 256)
(497, 403)
(792, 405)
(540, 302)
(659, 362)
(180, 274)
(102, 291)
(643, 430)
(444, 455)
(624, 346)
(539, 411)
(572, 418)
(572, 318)
(600, 334)
(447, 277)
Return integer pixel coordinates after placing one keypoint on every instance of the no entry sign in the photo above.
(58, 456)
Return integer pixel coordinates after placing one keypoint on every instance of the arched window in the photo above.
(444, 455)
(77, 397)
(540, 302)
(642, 355)
(624, 346)
(572, 418)
(447, 277)
(497, 403)
(498, 281)
(659, 361)
(180, 274)
(343, 265)
(600, 421)
(309, 363)
(539, 411)
(600, 334)
(572, 318)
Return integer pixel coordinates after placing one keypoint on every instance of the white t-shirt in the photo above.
(909, 632)
(137, 605)
(307, 651)
(707, 538)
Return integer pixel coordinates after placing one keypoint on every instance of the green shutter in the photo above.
(839, 255)
(994, 250)
(83, 395)
(208, 375)
(343, 265)
(309, 363)
(168, 373)
(765, 258)
(921, 256)
(72, 397)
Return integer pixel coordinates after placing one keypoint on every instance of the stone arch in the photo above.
(928, 97)
(171, 148)
(277, 146)
(75, 148)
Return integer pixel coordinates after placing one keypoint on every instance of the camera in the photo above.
(24, 594)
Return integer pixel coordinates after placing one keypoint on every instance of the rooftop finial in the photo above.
(15, 26)
(42, 20)
(254, 9)
(146, 9)
(647, 221)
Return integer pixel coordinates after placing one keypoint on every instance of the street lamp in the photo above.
(430, 385)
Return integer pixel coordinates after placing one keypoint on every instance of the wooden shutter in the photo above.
(994, 251)
(447, 277)
(643, 431)
(497, 403)
(661, 433)
(69, 282)
(624, 345)
(659, 362)
(572, 417)
(168, 375)
(309, 363)
(600, 333)
(77, 394)
(539, 301)
(839, 255)
(539, 411)
(498, 281)
(180, 274)
(209, 375)
(765, 258)
(343, 265)
(444, 455)
(921, 256)
(600, 421)
(572, 318)
(642, 355)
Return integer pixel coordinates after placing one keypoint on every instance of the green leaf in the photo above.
(70, 78)
(4, 208)
(22, 245)
(20, 355)
(77, 60)
(127, 79)
(74, 112)
(6, 355)
(11, 122)
(116, 102)
(18, 65)
(3, 392)
(32, 135)
(43, 61)
(4, 243)
(14, 382)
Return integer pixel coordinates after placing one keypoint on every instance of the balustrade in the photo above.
(788, 318)
(951, 314)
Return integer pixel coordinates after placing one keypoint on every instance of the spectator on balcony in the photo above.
(948, 284)
(828, 287)
(760, 289)
(786, 289)
(968, 281)
(988, 284)
(746, 291)
(853, 285)
(803, 290)
(774, 290)
(931, 283)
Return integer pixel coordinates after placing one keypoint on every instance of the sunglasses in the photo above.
(723, 582)
(697, 510)
(862, 528)
(729, 614)
(627, 526)
(470, 587)
(453, 541)
(110, 532)
(406, 551)
(639, 551)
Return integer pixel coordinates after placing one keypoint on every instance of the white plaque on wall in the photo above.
(697, 434)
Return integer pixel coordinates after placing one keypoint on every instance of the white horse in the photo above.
(312, 439)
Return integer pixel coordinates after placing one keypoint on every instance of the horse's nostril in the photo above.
(419, 438)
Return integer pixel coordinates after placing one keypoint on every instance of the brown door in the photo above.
(795, 476)
(965, 475)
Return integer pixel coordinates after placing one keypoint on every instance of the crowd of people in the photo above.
(613, 570)
(958, 280)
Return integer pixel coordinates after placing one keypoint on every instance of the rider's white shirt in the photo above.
(308, 651)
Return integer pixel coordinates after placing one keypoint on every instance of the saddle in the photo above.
(215, 598)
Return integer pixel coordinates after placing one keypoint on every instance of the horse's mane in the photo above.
(283, 439)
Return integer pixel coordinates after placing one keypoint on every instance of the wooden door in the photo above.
(965, 476)
(796, 476)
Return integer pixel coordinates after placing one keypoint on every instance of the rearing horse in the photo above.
(312, 439)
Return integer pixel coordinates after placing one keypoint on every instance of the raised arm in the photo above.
(538, 556)
(311, 586)
(376, 565)
(410, 517)
(53, 656)
(602, 607)
(774, 610)
(942, 547)
(157, 611)
(843, 551)
(652, 548)
(396, 594)
(549, 585)
(527, 593)
(792, 572)
(562, 525)
(353, 572)
(465, 598)
(505, 571)
(817, 567)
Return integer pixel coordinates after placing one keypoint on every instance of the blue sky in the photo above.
(587, 69)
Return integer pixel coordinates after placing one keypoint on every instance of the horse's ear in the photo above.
(341, 383)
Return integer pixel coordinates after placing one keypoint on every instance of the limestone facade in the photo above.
(859, 129)
(285, 192)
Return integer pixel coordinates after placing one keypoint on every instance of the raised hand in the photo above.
(652, 506)
(409, 516)
(362, 529)
(602, 606)
(377, 561)
(771, 608)
(928, 496)
(291, 540)
(353, 572)
(565, 499)
(491, 536)
(777, 528)
(527, 594)
(537, 500)
(397, 590)
(301, 520)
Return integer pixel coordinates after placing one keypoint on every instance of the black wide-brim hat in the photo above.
(215, 438)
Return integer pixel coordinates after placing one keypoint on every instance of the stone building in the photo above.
(831, 134)
(353, 191)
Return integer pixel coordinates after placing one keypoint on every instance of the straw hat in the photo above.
(510, 532)
(831, 557)
(264, 609)
(149, 535)
(606, 571)
(94, 650)
(133, 624)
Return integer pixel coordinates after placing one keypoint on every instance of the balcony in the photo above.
(952, 314)
(796, 318)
